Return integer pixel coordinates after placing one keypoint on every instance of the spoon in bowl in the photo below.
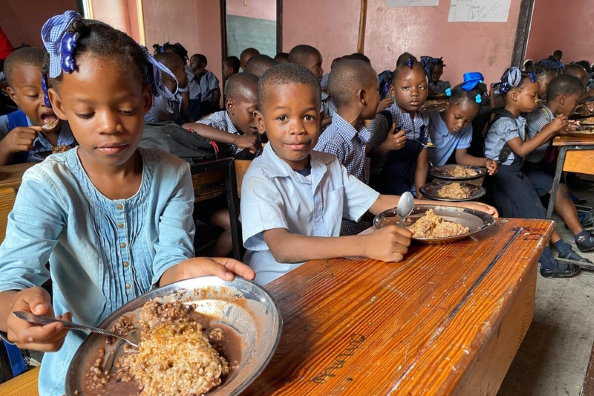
(405, 207)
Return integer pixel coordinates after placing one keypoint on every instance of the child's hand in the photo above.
(395, 141)
(223, 267)
(384, 104)
(492, 166)
(482, 207)
(46, 338)
(249, 142)
(20, 139)
(388, 244)
(559, 124)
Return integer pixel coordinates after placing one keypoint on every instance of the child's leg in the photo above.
(224, 244)
(565, 208)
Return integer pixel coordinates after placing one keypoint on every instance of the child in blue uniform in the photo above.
(112, 220)
(515, 193)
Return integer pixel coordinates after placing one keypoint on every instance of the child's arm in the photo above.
(523, 148)
(394, 141)
(223, 267)
(249, 142)
(463, 158)
(387, 244)
(421, 170)
(17, 140)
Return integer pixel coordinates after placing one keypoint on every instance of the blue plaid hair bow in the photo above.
(155, 78)
(510, 79)
(59, 43)
(471, 80)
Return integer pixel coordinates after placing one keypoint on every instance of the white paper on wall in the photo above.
(479, 10)
(411, 3)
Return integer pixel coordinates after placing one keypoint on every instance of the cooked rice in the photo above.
(434, 226)
(460, 171)
(454, 190)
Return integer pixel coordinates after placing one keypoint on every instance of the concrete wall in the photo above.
(485, 47)
(564, 25)
(261, 9)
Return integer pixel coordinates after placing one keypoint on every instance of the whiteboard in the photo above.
(479, 10)
(411, 3)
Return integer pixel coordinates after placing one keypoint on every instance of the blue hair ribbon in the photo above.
(410, 62)
(448, 91)
(155, 78)
(59, 43)
(532, 77)
(471, 80)
(46, 100)
(427, 62)
(510, 79)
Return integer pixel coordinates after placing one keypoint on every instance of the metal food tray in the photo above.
(431, 191)
(440, 172)
(241, 305)
(475, 220)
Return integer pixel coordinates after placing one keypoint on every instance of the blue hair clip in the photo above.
(44, 89)
(410, 62)
(448, 91)
(59, 43)
(68, 47)
(478, 98)
(532, 77)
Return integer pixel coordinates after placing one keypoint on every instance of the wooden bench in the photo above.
(23, 385)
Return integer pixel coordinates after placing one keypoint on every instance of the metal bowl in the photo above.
(431, 191)
(475, 220)
(441, 172)
(241, 305)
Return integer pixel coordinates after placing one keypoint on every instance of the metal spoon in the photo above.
(405, 206)
(132, 338)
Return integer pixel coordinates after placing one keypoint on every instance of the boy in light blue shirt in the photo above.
(293, 198)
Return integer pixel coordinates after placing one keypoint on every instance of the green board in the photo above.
(243, 32)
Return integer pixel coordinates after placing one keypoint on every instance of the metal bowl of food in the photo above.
(475, 220)
(452, 191)
(457, 172)
(244, 311)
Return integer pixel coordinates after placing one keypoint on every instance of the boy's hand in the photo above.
(223, 267)
(395, 140)
(20, 139)
(250, 142)
(384, 104)
(492, 166)
(559, 124)
(46, 338)
(482, 207)
(388, 243)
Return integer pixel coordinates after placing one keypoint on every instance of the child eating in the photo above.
(31, 133)
(294, 198)
(113, 220)
(451, 130)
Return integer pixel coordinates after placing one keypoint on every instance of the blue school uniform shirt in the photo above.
(103, 253)
(41, 145)
(445, 142)
(164, 109)
(416, 126)
(273, 195)
(201, 87)
(503, 130)
(221, 121)
(535, 121)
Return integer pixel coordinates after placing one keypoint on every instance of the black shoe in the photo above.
(585, 243)
(561, 270)
(571, 255)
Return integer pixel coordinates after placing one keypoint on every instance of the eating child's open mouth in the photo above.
(50, 121)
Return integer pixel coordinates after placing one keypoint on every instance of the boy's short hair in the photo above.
(284, 74)
(575, 69)
(249, 50)
(358, 56)
(564, 84)
(238, 83)
(258, 64)
(22, 56)
(201, 59)
(281, 57)
(347, 77)
(171, 60)
(300, 52)
(233, 63)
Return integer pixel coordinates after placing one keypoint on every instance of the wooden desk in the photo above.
(447, 321)
(11, 175)
(23, 385)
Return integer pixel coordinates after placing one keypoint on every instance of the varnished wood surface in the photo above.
(11, 175)
(23, 385)
(448, 320)
(579, 161)
(574, 140)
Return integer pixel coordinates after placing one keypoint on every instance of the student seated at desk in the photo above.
(517, 190)
(245, 56)
(563, 95)
(451, 130)
(434, 70)
(235, 125)
(34, 131)
(113, 221)
(293, 198)
(205, 93)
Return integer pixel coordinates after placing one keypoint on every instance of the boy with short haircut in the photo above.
(204, 88)
(246, 55)
(294, 198)
(34, 131)
(257, 65)
(234, 125)
(230, 67)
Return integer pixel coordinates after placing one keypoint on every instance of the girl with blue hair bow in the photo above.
(451, 130)
(112, 219)
(434, 69)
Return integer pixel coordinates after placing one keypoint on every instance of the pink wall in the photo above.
(121, 14)
(193, 23)
(558, 25)
(261, 9)
(485, 47)
(21, 21)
